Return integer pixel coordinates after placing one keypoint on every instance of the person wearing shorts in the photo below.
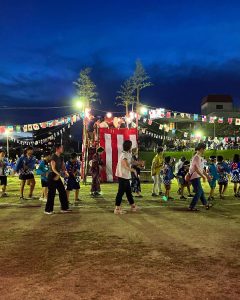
(213, 176)
(72, 182)
(25, 167)
(3, 176)
(235, 175)
(223, 172)
(43, 170)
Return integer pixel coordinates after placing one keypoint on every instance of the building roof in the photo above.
(217, 98)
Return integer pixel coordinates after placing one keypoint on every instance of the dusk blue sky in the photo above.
(189, 48)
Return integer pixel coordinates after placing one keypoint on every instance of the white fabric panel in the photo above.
(120, 140)
(133, 139)
(108, 149)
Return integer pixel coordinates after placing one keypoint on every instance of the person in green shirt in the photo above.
(157, 166)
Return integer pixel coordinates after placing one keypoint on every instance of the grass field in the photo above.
(161, 252)
(227, 154)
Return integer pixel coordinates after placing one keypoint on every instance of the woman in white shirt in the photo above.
(123, 172)
(197, 172)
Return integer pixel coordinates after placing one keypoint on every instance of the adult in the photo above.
(57, 168)
(157, 166)
(25, 167)
(197, 172)
(96, 166)
(123, 172)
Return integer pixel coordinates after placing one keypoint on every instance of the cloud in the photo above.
(178, 87)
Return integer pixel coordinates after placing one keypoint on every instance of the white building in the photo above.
(216, 104)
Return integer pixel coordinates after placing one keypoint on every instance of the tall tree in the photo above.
(86, 88)
(140, 81)
(125, 94)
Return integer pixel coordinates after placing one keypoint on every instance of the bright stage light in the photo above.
(198, 134)
(143, 110)
(109, 115)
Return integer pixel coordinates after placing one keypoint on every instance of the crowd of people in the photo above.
(64, 177)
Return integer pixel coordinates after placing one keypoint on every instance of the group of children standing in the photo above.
(219, 171)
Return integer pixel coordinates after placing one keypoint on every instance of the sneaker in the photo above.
(135, 208)
(165, 198)
(190, 195)
(44, 200)
(154, 195)
(4, 195)
(65, 211)
(160, 193)
(48, 212)
(21, 198)
(183, 198)
(41, 199)
(119, 211)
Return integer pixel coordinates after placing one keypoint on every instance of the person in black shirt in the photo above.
(55, 183)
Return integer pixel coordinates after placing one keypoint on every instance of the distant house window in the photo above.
(219, 106)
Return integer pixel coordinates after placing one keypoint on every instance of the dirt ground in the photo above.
(161, 252)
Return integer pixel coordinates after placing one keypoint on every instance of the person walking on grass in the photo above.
(57, 169)
(156, 168)
(167, 178)
(96, 166)
(43, 170)
(123, 172)
(135, 181)
(196, 172)
(223, 173)
(25, 167)
(3, 175)
(179, 166)
(235, 175)
(182, 181)
(73, 181)
(213, 175)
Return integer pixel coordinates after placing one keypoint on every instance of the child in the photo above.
(123, 172)
(223, 171)
(25, 167)
(43, 170)
(167, 178)
(181, 179)
(135, 181)
(3, 176)
(213, 175)
(73, 181)
(235, 174)
(96, 165)
(156, 168)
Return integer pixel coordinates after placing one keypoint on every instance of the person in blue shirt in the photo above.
(72, 182)
(223, 173)
(182, 172)
(25, 168)
(43, 170)
(235, 174)
(167, 178)
(213, 175)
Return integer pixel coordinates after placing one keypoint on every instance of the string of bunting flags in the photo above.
(162, 113)
(70, 119)
(40, 141)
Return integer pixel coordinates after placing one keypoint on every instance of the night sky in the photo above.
(189, 48)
